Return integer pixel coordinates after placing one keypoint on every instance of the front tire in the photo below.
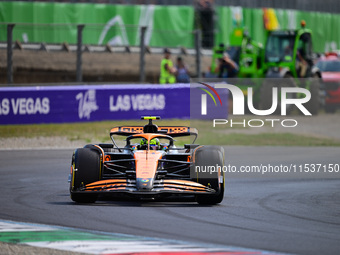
(86, 169)
(210, 156)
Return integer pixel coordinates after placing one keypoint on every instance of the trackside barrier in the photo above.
(60, 104)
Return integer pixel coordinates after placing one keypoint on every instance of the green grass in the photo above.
(87, 132)
(98, 132)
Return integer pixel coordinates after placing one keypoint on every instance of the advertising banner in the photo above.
(104, 23)
(208, 103)
(59, 104)
(168, 26)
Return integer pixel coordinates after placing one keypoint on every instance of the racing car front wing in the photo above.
(159, 186)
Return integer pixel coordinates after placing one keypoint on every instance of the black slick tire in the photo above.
(206, 156)
(86, 169)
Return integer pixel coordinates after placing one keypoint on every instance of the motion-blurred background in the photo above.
(45, 35)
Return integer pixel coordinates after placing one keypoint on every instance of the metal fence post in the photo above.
(10, 53)
(198, 36)
(142, 53)
(79, 52)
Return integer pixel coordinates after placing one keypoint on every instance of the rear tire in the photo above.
(86, 169)
(210, 156)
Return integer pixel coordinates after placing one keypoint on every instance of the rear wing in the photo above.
(173, 131)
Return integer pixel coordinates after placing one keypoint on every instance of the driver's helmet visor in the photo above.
(153, 146)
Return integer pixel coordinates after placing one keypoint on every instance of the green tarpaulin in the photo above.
(168, 26)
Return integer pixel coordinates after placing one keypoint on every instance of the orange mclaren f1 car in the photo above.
(148, 165)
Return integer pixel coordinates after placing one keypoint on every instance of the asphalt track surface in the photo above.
(295, 213)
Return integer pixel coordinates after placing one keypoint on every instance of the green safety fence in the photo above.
(168, 26)
(115, 24)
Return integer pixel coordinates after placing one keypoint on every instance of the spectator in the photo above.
(227, 68)
(302, 63)
(167, 74)
(205, 11)
(182, 72)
